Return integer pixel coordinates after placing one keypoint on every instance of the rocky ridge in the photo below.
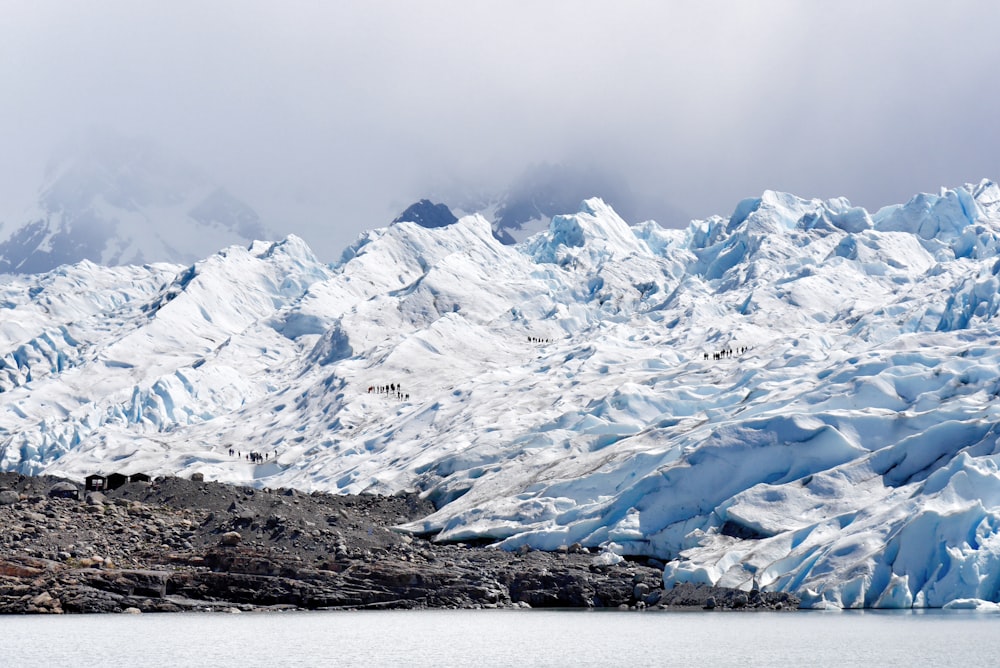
(175, 545)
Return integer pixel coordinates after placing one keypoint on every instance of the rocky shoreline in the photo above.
(179, 545)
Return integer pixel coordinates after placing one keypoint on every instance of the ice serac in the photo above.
(596, 233)
(800, 396)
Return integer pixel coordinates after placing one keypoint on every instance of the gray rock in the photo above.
(9, 497)
(96, 499)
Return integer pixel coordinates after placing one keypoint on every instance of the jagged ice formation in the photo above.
(800, 397)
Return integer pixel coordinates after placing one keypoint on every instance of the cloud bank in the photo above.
(330, 118)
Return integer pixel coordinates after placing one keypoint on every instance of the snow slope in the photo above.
(798, 397)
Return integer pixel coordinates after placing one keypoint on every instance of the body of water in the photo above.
(503, 638)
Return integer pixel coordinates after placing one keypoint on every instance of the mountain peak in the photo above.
(427, 214)
(527, 205)
(118, 200)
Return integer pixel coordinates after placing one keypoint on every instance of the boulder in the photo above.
(96, 499)
(64, 490)
(231, 538)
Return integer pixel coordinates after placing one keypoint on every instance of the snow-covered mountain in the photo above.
(801, 396)
(117, 200)
(543, 191)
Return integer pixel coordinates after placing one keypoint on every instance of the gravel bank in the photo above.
(174, 545)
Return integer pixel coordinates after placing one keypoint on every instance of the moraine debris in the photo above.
(172, 545)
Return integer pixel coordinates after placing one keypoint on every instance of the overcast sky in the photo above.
(330, 117)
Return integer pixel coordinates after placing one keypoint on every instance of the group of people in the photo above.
(253, 456)
(538, 339)
(728, 352)
(392, 390)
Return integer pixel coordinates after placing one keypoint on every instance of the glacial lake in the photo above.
(503, 638)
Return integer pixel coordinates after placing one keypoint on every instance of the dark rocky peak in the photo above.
(427, 214)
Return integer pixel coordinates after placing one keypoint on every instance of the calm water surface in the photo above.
(503, 638)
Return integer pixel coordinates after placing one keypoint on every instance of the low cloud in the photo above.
(330, 118)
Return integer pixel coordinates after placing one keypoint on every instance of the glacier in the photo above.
(796, 397)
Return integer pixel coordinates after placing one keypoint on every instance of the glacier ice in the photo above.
(800, 396)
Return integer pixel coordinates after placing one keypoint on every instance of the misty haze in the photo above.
(326, 122)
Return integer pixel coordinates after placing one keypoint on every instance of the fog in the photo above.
(329, 118)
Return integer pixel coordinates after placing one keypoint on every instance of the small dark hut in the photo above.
(138, 477)
(116, 480)
(95, 482)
